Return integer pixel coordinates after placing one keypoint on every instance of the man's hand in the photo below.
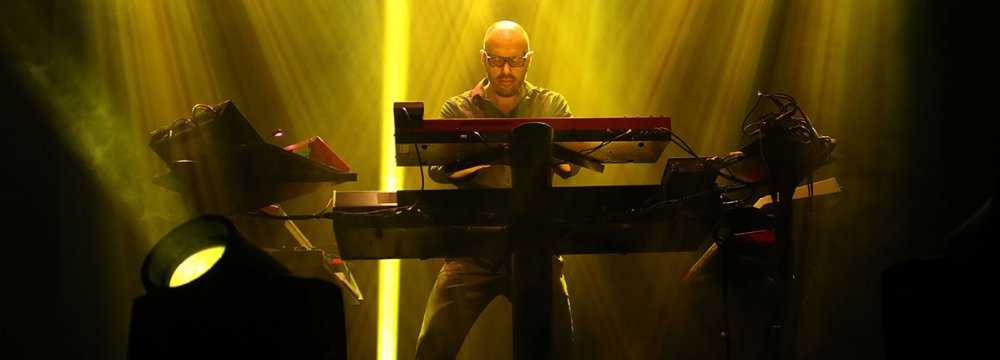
(564, 170)
(465, 172)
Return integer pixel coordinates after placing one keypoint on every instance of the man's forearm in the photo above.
(465, 172)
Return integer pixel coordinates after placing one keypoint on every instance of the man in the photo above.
(465, 286)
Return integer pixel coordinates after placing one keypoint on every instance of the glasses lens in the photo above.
(499, 61)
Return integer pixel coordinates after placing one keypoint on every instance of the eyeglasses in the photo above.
(515, 61)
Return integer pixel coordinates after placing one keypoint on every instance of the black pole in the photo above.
(531, 256)
(726, 333)
(784, 153)
(785, 276)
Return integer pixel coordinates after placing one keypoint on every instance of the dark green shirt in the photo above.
(536, 103)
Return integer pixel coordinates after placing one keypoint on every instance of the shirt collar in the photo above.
(477, 92)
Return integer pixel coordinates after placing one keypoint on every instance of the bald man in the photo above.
(465, 286)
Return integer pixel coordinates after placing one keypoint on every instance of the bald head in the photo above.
(506, 33)
(506, 46)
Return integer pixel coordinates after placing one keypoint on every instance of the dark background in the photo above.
(56, 301)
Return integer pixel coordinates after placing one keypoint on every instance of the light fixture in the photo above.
(213, 294)
(207, 251)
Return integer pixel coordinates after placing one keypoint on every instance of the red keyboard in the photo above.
(557, 124)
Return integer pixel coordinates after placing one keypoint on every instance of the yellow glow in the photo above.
(395, 61)
(394, 73)
(313, 67)
(196, 265)
(388, 308)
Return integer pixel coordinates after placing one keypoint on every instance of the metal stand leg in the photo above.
(531, 256)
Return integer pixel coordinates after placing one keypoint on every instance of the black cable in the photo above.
(329, 205)
(170, 135)
(386, 212)
(809, 124)
(480, 136)
(177, 123)
(754, 107)
(604, 143)
(645, 209)
(194, 110)
(192, 124)
(685, 147)
(261, 214)
(658, 205)
(380, 212)
(420, 165)
(420, 162)
(680, 141)
(804, 121)
(731, 177)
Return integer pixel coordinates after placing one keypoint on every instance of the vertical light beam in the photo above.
(394, 72)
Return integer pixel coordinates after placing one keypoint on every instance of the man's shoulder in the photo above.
(468, 96)
(547, 102)
(459, 106)
(465, 97)
(542, 92)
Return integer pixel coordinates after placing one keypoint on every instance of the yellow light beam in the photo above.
(394, 73)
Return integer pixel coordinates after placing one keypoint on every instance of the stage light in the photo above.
(208, 250)
(195, 265)
(212, 293)
(186, 253)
